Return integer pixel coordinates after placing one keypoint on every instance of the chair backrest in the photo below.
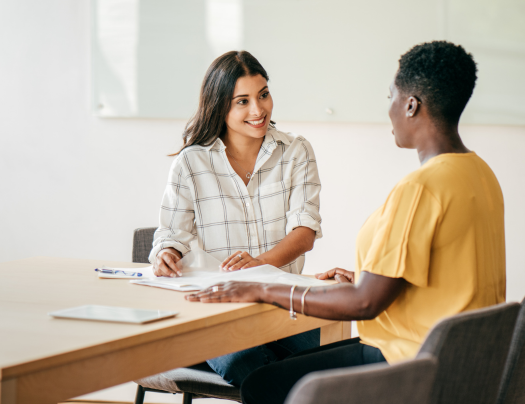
(471, 349)
(512, 387)
(407, 382)
(142, 244)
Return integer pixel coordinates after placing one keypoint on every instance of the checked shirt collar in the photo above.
(270, 142)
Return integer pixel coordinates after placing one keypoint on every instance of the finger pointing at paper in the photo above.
(166, 263)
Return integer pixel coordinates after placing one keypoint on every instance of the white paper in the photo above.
(198, 260)
(200, 270)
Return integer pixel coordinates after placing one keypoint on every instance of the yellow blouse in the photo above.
(442, 230)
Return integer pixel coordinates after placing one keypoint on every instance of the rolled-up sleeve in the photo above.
(304, 192)
(177, 217)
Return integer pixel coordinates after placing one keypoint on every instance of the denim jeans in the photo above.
(235, 367)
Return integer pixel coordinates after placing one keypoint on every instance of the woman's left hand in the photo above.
(229, 292)
(240, 260)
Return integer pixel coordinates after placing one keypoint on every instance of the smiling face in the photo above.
(251, 107)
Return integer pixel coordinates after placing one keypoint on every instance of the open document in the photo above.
(200, 270)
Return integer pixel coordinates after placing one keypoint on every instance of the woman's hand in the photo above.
(166, 263)
(240, 260)
(339, 274)
(229, 292)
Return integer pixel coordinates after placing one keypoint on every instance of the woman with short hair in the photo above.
(435, 248)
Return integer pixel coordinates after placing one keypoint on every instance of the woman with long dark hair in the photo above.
(247, 192)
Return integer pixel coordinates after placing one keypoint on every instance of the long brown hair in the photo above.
(209, 122)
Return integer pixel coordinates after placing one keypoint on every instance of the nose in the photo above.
(256, 109)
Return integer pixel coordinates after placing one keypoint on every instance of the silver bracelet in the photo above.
(293, 314)
(302, 299)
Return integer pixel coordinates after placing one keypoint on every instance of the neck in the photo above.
(434, 140)
(242, 146)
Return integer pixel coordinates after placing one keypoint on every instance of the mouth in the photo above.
(257, 124)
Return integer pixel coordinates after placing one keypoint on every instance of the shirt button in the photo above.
(247, 205)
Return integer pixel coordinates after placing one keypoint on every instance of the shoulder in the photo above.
(193, 157)
(436, 172)
(294, 143)
(184, 160)
(177, 168)
(428, 180)
(449, 169)
(194, 151)
(451, 177)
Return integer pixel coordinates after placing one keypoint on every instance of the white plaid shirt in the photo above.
(206, 200)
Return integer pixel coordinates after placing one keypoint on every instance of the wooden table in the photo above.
(46, 360)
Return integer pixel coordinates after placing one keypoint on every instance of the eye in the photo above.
(242, 102)
(265, 95)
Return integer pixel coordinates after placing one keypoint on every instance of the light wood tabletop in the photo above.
(47, 360)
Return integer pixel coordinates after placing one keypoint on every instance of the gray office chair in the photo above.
(142, 244)
(471, 349)
(199, 381)
(512, 387)
(406, 382)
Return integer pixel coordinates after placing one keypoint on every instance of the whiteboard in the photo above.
(328, 61)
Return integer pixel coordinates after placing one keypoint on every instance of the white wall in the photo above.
(76, 186)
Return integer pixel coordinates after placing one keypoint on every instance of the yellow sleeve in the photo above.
(403, 236)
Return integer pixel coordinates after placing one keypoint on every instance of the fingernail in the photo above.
(172, 275)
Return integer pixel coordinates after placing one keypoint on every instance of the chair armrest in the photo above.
(408, 382)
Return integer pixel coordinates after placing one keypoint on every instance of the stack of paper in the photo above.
(200, 270)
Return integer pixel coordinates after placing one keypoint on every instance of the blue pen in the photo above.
(117, 271)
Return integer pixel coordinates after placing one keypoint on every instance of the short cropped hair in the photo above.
(442, 75)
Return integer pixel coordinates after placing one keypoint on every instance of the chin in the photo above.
(262, 131)
(400, 144)
(257, 133)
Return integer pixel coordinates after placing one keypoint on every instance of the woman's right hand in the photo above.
(339, 274)
(166, 263)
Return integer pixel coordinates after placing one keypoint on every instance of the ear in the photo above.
(412, 106)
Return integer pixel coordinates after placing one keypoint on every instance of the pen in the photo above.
(117, 271)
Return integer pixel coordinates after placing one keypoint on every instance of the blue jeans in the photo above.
(235, 367)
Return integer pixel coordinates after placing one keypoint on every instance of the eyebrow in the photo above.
(246, 95)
